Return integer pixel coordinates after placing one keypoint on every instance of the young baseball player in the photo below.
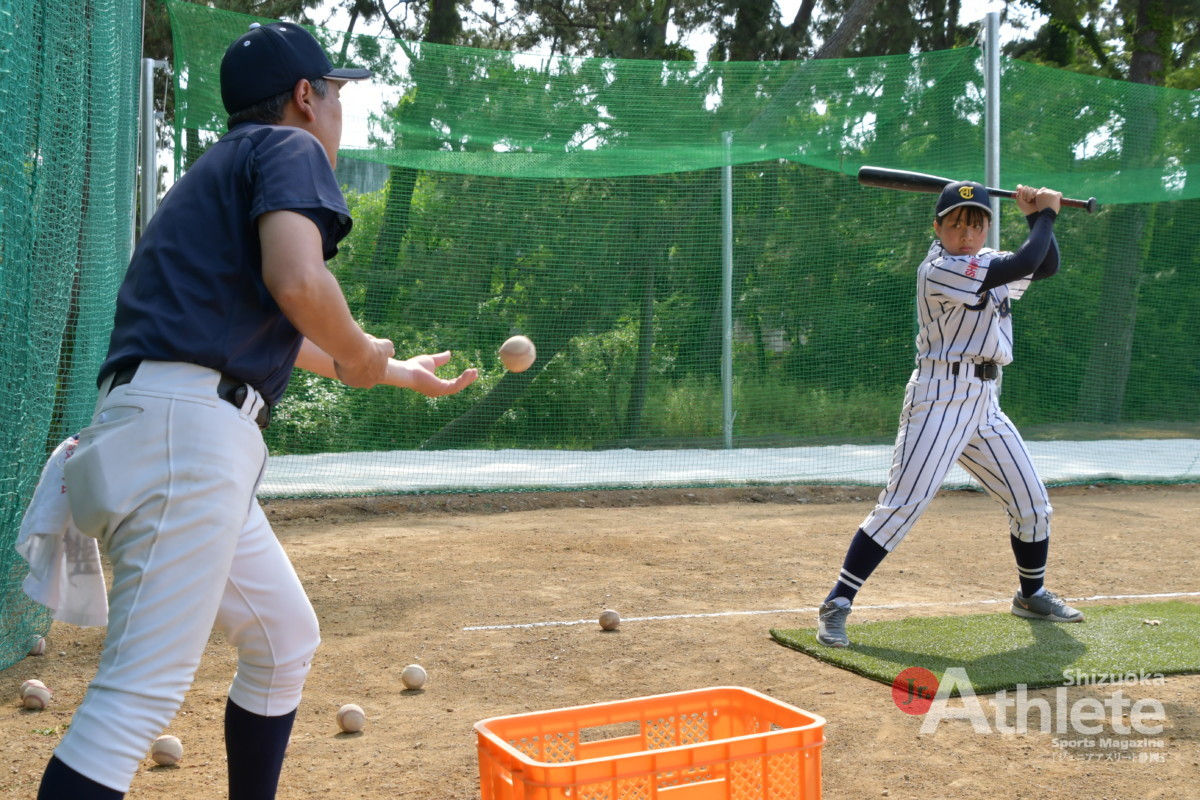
(226, 291)
(951, 407)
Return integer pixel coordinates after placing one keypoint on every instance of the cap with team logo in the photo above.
(269, 59)
(963, 193)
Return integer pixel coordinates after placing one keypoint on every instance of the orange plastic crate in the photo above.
(721, 743)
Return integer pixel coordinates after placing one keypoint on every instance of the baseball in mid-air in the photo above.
(610, 620)
(413, 676)
(517, 353)
(167, 750)
(39, 648)
(351, 718)
(36, 697)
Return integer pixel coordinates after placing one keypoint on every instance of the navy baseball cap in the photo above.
(963, 193)
(269, 59)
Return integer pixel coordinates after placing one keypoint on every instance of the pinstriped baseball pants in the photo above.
(949, 419)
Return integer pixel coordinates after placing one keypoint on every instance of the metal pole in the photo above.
(727, 290)
(149, 160)
(991, 90)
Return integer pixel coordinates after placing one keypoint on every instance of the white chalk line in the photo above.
(812, 610)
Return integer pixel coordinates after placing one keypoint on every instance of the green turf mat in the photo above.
(1000, 651)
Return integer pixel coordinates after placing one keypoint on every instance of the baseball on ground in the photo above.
(36, 697)
(517, 354)
(31, 682)
(39, 648)
(351, 718)
(413, 676)
(167, 751)
(609, 620)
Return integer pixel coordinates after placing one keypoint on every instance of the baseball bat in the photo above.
(905, 181)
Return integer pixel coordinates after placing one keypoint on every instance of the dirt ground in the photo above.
(459, 584)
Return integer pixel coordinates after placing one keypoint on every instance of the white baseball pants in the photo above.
(165, 478)
(957, 418)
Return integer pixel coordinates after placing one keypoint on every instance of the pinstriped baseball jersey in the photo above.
(957, 321)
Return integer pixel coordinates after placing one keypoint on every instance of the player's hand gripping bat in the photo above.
(906, 181)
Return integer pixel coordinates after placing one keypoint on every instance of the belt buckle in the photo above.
(987, 371)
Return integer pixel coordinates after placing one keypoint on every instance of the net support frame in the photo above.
(727, 292)
(991, 89)
(149, 148)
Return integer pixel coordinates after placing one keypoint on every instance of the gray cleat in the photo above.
(1046, 605)
(831, 625)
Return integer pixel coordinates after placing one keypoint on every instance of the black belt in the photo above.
(231, 390)
(987, 371)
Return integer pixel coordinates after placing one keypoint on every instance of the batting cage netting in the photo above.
(714, 298)
(68, 142)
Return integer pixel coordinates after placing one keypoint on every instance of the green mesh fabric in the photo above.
(480, 112)
(581, 202)
(68, 138)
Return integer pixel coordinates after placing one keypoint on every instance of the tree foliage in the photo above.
(1144, 41)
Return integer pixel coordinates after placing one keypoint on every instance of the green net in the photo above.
(68, 136)
(606, 208)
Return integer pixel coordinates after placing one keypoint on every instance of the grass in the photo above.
(1000, 651)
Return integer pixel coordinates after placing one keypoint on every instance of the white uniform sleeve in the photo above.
(959, 279)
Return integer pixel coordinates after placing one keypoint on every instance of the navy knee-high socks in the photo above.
(255, 746)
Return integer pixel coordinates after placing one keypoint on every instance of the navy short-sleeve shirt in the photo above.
(194, 291)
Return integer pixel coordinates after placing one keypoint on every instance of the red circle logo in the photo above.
(914, 690)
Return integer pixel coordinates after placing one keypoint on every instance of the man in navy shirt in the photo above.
(226, 292)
